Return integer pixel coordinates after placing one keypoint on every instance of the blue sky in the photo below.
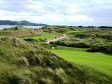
(62, 12)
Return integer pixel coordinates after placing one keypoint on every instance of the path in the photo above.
(56, 38)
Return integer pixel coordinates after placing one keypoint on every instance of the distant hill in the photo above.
(8, 22)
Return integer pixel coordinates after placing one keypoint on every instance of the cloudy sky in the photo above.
(62, 12)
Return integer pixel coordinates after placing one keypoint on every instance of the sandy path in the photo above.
(56, 38)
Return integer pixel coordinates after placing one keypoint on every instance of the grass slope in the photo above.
(99, 61)
(24, 63)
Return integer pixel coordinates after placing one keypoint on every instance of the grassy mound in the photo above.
(18, 31)
(23, 63)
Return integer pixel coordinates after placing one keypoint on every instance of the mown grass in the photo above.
(98, 61)
(42, 36)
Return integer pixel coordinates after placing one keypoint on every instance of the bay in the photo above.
(9, 26)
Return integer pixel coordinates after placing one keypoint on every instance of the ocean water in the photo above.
(9, 26)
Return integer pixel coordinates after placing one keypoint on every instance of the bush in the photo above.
(82, 35)
(79, 45)
(59, 43)
(105, 36)
(105, 49)
(68, 44)
(30, 39)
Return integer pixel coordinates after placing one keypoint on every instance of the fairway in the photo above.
(99, 61)
(43, 36)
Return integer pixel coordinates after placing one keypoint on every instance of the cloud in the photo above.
(13, 5)
(68, 12)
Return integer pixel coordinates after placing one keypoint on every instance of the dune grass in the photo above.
(72, 31)
(98, 61)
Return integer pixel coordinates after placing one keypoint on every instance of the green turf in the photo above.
(98, 61)
(43, 36)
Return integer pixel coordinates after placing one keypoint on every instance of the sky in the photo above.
(58, 12)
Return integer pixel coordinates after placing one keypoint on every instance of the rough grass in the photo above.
(99, 61)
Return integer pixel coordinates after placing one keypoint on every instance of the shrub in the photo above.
(79, 45)
(83, 35)
(30, 39)
(105, 49)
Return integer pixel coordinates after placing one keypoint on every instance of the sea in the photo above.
(9, 26)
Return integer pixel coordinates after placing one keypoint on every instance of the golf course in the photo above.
(57, 55)
(55, 42)
(99, 61)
